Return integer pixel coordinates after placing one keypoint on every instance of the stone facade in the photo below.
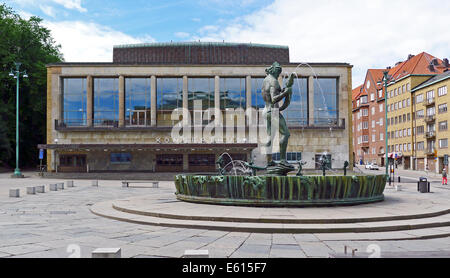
(310, 140)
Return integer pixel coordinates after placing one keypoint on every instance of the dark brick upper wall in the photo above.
(201, 54)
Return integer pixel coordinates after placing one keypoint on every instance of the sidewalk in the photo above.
(406, 173)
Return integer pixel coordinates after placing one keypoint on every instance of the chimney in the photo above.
(388, 67)
(445, 62)
(398, 63)
(431, 66)
(435, 62)
(410, 56)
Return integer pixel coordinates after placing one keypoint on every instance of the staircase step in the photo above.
(383, 230)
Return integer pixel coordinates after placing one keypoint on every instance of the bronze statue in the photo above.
(272, 94)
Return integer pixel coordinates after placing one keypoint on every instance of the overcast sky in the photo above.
(366, 34)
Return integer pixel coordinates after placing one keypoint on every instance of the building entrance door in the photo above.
(72, 163)
(138, 117)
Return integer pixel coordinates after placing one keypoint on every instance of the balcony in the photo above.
(431, 118)
(430, 135)
(364, 144)
(429, 151)
(429, 101)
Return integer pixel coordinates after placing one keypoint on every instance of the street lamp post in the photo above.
(16, 74)
(385, 79)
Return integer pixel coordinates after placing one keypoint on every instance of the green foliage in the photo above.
(27, 42)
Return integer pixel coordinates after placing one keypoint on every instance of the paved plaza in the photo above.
(60, 224)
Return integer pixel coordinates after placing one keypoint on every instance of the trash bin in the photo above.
(423, 186)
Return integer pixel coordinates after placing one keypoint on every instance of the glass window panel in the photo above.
(232, 93)
(257, 99)
(74, 101)
(120, 157)
(106, 101)
(137, 98)
(201, 89)
(169, 96)
(297, 112)
(325, 101)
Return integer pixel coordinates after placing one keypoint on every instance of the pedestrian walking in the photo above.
(444, 177)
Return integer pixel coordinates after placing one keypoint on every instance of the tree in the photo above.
(27, 42)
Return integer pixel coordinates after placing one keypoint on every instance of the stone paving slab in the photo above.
(28, 228)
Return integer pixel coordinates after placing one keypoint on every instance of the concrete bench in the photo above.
(14, 192)
(94, 183)
(106, 253)
(69, 184)
(31, 190)
(155, 184)
(60, 186)
(40, 189)
(196, 254)
(54, 187)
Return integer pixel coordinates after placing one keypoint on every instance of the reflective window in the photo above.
(232, 93)
(169, 95)
(137, 101)
(297, 112)
(325, 101)
(106, 101)
(291, 157)
(257, 99)
(74, 101)
(201, 89)
(120, 157)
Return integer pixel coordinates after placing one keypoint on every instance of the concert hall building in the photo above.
(117, 116)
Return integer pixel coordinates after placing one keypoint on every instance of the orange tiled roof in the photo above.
(418, 64)
(377, 75)
(356, 92)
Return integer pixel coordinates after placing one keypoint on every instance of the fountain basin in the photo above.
(280, 190)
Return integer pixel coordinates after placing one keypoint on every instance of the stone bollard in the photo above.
(94, 183)
(398, 187)
(15, 192)
(31, 190)
(40, 189)
(196, 254)
(155, 184)
(124, 184)
(106, 253)
(69, 184)
(53, 187)
(60, 186)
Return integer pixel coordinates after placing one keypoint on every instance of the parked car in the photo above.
(372, 166)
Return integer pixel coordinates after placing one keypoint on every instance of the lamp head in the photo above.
(11, 74)
(25, 75)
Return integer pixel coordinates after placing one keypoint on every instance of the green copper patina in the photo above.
(280, 190)
(272, 94)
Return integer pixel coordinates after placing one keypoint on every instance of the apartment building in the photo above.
(431, 125)
(406, 113)
(368, 115)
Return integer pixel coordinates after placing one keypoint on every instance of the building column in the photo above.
(185, 100)
(217, 100)
(121, 101)
(248, 91)
(311, 100)
(153, 101)
(185, 162)
(89, 101)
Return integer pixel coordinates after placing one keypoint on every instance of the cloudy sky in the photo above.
(366, 34)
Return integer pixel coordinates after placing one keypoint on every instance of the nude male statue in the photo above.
(272, 95)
